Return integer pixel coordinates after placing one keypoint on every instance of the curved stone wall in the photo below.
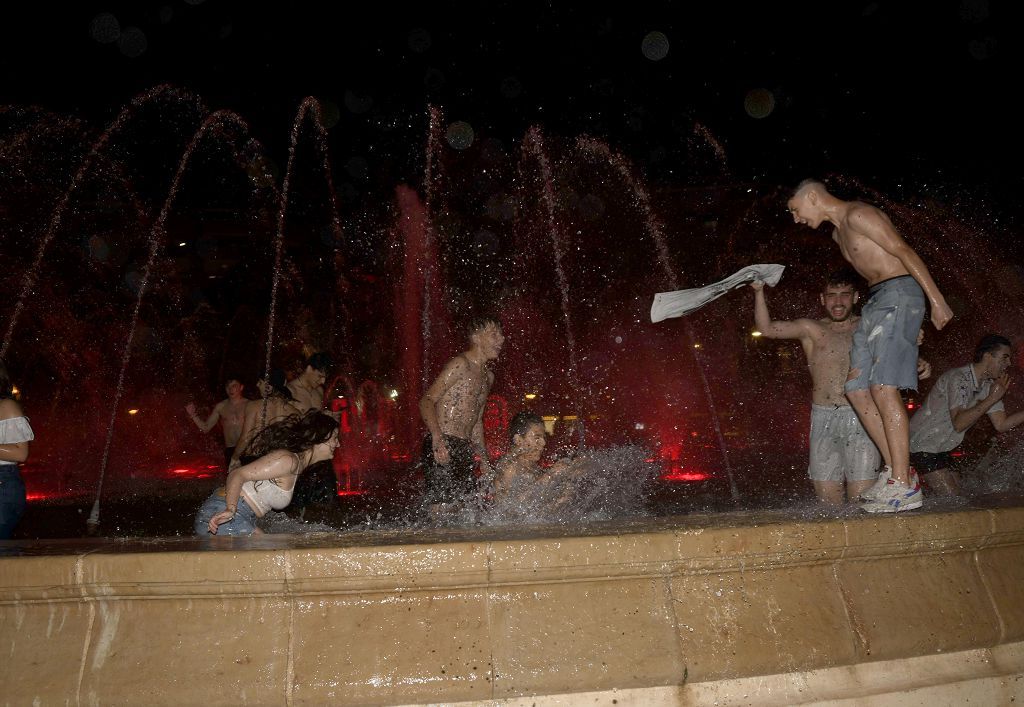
(739, 608)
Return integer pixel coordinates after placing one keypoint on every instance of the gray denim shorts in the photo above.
(885, 343)
(840, 447)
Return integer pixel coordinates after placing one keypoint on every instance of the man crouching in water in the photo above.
(452, 409)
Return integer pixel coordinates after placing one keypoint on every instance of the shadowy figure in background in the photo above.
(883, 359)
(230, 412)
(308, 388)
(954, 404)
(15, 434)
(266, 480)
(278, 402)
(452, 409)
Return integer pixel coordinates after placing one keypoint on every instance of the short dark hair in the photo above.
(521, 422)
(807, 183)
(480, 322)
(988, 344)
(320, 361)
(842, 276)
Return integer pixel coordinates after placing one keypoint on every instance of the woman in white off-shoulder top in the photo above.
(15, 434)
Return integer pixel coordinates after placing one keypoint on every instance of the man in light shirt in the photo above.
(958, 400)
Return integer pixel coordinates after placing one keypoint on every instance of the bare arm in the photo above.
(878, 228)
(210, 421)
(796, 329)
(963, 418)
(271, 466)
(428, 406)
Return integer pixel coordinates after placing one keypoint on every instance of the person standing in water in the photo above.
(229, 412)
(452, 410)
(15, 434)
(883, 358)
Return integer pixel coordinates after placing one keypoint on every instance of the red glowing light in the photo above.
(686, 475)
(38, 496)
(342, 492)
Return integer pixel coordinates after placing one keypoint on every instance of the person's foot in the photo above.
(894, 497)
(871, 494)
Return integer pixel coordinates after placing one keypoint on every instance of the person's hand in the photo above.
(191, 409)
(441, 455)
(999, 387)
(219, 519)
(941, 315)
(924, 369)
(758, 285)
(920, 336)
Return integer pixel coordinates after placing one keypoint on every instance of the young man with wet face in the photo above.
(883, 358)
(452, 409)
(307, 388)
(955, 403)
(842, 455)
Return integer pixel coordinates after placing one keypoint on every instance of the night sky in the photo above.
(892, 93)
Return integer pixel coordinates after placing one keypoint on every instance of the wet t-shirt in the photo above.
(931, 427)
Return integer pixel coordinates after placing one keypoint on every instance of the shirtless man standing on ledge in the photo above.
(884, 355)
(452, 409)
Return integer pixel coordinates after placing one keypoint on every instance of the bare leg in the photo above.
(943, 482)
(829, 492)
(897, 429)
(856, 488)
(866, 409)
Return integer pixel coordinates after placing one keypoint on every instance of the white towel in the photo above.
(680, 302)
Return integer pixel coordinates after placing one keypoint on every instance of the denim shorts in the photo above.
(885, 342)
(12, 499)
(244, 522)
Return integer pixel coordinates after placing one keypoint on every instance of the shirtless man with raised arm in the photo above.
(883, 358)
(452, 409)
(840, 450)
(229, 412)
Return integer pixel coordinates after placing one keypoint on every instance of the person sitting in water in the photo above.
(278, 402)
(266, 479)
(520, 482)
(959, 399)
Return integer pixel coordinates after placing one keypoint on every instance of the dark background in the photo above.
(903, 94)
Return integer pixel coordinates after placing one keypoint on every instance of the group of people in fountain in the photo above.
(269, 442)
(863, 446)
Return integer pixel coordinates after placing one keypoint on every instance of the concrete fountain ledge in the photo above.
(744, 608)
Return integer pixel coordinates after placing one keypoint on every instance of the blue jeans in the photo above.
(12, 499)
(885, 342)
(244, 522)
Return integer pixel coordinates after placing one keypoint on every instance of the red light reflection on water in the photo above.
(685, 475)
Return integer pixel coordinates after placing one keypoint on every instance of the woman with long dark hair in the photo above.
(271, 463)
(15, 434)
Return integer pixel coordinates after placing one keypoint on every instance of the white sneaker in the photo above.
(895, 497)
(871, 494)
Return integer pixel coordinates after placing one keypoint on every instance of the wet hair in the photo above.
(295, 433)
(522, 422)
(842, 276)
(808, 183)
(6, 386)
(481, 322)
(279, 383)
(320, 361)
(988, 344)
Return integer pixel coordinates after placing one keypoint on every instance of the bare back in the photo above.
(465, 389)
(865, 253)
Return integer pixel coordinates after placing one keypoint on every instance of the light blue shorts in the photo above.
(885, 343)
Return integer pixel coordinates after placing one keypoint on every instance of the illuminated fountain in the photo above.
(743, 607)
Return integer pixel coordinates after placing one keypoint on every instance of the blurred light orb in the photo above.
(459, 135)
(759, 103)
(132, 42)
(105, 28)
(419, 40)
(511, 87)
(655, 46)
